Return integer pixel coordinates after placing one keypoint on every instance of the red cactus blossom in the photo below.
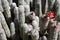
(50, 14)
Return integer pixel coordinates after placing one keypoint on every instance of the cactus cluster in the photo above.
(29, 20)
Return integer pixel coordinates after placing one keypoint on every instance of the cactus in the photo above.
(21, 2)
(32, 16)
(26, 28)
(44, 24)
(35, 25)
(13, 5)
(44, 38)
(21, 15)
(53, 31)
(12, 28)
(16, 13)
(37, 19)
(46, 6)
(50, 4)
(58, 8)
(27, 10)
(27, 1)
(58, 35)
(34, 34)
(1, 8)
(38, 8)
(29, 20)
(4, 25)
(58, 31)
(6, 8)
(21, 18)
(10, 1)
(2, 33)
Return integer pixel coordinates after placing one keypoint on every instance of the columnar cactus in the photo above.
(51, 4)
(6, 8)
(21, 18)
(12, 29)
(44, 24)
(25, 31)
(35, 31)
(21, 15)
(58, 31)
(26, 28)
(35, 34)
(27, 10)
(4, 25)
(13, 5)
(32, 16)
(46, 6)
(35, 25)
(27, 1)
(2, 33)
(20, 2)
(58, 8)
(44, 38)
(10, 1)
(1, 8)
(29, 19)
(58, 35)
(53, 30)
(38, 9)
(16, 13)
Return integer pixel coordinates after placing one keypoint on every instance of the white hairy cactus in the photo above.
(35, 25)
(10, 1)
(47, 22)
(53, 31)
(27, 1)
(13, 5)
(12, 28)
(4, 25)
(58, 8)
(38, 9)
(32, 16)
(34, 34)
(58, 31)
(21, 19)
(16, 13)
(51, 4)
(29, 19)
(46, 6)
(30, 27)
(37, 19)
(44, 38)
(58, 35)
(25, 31)
(1, 8)
(25, 28)
(21, 15)
(6, 8)
(27, 10)
(20, 2)
(2, 33)
(44, 23)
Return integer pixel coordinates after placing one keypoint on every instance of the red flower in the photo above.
(50, 14)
